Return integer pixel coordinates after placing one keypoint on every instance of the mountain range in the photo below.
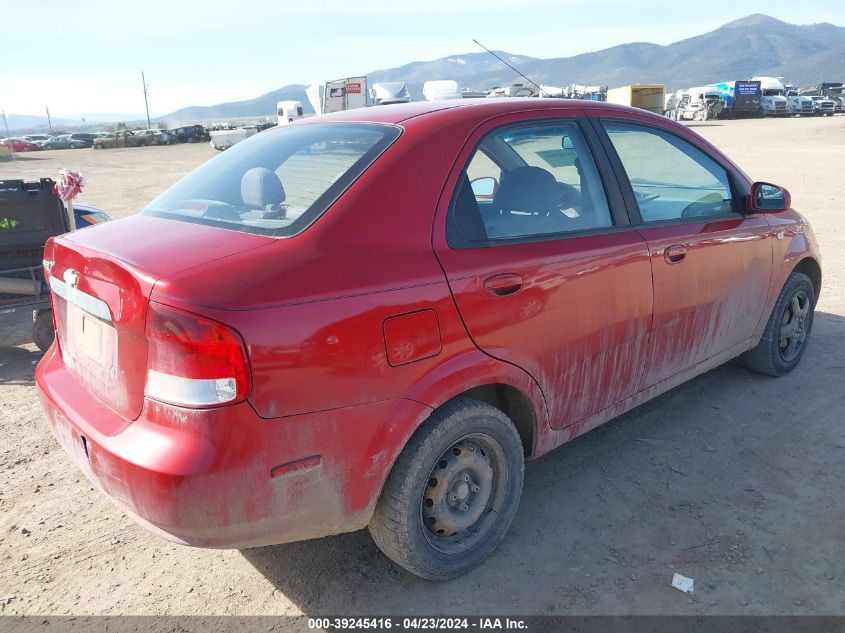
(755, 45)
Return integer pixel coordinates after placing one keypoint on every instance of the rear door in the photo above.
(543, 265)
(711, 263)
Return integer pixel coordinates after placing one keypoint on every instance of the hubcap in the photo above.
(794, 326)
(464, 490)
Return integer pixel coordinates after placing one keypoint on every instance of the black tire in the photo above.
(42, 330)
(467, 458)
(785, 337)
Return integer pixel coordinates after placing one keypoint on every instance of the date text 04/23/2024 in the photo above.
(418, 623)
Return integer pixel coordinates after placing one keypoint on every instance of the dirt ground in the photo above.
(734, 479)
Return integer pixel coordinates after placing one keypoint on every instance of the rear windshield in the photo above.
(277, 182)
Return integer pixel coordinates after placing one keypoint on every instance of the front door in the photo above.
(545, 271)
(711, 263)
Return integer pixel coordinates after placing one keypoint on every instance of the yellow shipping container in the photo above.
(645, 96)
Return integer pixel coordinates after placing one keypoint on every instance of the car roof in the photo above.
(481, 107)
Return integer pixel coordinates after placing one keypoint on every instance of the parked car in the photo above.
(85, 137)
(190, 134)
(19, 145)
(152, 137)
(224, 139)
(35, 138)
(60, 142)
(86, 215)
(308, 361)
(119, 139)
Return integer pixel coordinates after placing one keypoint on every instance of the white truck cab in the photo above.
(289, 111)
(773, 102)
(797, 103)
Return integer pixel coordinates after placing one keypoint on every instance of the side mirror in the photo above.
(566, 143)
(484, 187)
(768, 198)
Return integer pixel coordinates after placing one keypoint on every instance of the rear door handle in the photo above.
(675, 254)
(503, 285)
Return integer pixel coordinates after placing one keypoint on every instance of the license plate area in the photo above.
(88, 335)
(90, 345)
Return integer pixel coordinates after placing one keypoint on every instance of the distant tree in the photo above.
(162, 125)
(121, 126)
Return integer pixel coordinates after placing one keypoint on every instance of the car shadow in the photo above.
(17, 365)
(604, 518)
(24, 157)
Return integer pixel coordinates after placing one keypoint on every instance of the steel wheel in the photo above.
(452, 492)
(793, 329)
(465, 490)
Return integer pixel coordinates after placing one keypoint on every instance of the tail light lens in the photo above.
(193, 361)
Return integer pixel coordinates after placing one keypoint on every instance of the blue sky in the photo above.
(86, 56)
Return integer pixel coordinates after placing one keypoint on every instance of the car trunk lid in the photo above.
(102, 278)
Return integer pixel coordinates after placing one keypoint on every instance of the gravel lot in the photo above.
(734, 479)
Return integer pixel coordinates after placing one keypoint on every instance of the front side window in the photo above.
(527, 182)
(671, 178)
(276, 183)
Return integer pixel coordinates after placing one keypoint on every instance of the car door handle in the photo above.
(675, 254)
(503, 285)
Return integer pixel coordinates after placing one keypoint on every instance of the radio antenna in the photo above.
(508, 65)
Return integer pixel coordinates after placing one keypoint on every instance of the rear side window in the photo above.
(671, 178)
(527, 183)
(277, 182)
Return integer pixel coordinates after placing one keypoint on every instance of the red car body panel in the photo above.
(357, 328)
(19, 145)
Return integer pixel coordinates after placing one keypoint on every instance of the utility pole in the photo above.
(49, 120)
(146, 105)
(8, 136)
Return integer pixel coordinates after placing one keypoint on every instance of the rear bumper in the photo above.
(205, 478)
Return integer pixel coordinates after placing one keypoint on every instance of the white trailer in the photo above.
(390, 92)
(441, 89)
(345, 94)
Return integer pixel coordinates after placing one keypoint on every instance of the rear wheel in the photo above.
(452, 492)
(42, 330)
(785, 337)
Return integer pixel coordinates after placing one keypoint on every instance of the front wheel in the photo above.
(452, 492)
(785, 337)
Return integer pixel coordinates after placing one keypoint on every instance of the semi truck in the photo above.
(773, 102)
(742, 98)
(644, 96)
(289, 111)
(832, 90)
(695, 104)
(796, 103)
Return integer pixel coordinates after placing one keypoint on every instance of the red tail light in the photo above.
(193, 361)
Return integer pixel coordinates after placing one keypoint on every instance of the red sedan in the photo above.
(373, 318)
(19, 145)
